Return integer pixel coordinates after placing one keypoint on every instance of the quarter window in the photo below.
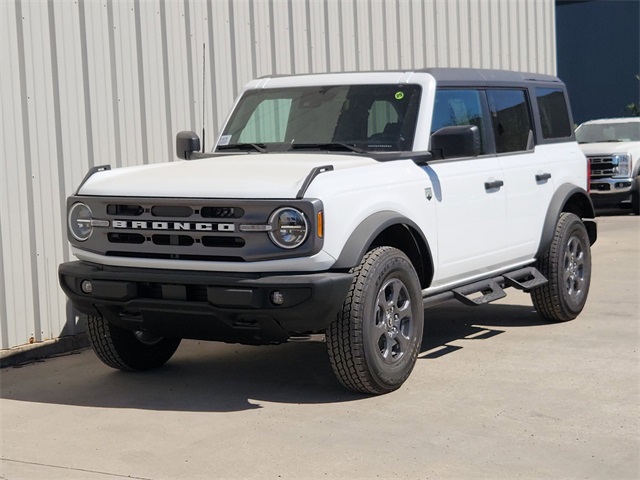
(510, 118)
(554, 115)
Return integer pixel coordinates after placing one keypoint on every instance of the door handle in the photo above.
(541, 177)
(492, 185)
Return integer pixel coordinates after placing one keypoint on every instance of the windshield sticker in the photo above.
(399, 95)
(224, 140)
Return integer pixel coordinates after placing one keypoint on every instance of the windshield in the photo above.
(608, 132)
(351, 118)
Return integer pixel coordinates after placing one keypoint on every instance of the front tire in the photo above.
(567, 266)
(127, 350)
(374, 342)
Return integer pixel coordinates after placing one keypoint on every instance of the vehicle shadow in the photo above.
(453, 321)
(215, 377)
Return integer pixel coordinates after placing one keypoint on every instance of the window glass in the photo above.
(455, 107)
(554, 116)
(608, 132)
(369, 117)
(510, 119)
(268, 122)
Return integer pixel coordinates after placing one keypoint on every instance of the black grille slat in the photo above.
(175, 240)
(125, 210)
(172, 211)
(131, 238)
(223, 242)
(221, 212)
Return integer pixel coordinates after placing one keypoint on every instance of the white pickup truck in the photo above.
(341, 204)
(612, 146)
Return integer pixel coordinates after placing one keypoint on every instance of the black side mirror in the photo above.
(458, 141)
(186, 144)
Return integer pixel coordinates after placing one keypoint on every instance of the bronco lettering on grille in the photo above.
(174, 226)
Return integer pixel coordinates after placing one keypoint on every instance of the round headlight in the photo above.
(289, 227)
(80, 222)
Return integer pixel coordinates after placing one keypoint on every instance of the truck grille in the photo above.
(190, 229)
(602, 167)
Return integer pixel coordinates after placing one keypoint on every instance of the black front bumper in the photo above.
(207, 305)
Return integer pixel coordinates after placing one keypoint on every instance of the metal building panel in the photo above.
(378, 36)
(153, 86)
(319, 25)
(17, 309)
(242, 34)
(99, 95)
(44, 219)
(349, 45)
(73, 145)
(130, 110)
(362, 35)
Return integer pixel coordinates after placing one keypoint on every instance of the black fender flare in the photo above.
(365, 233)
(581, 205)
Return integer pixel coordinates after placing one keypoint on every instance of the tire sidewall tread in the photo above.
(351, 352)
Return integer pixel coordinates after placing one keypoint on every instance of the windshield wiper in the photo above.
(335, 146)
(258, 147)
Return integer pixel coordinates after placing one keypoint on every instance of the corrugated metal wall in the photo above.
(88, 83)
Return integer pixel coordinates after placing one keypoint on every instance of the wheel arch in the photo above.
(571, 199)
(392, 229)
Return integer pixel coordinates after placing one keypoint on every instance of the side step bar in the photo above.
(491, 289)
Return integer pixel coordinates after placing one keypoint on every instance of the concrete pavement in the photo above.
(496, 393)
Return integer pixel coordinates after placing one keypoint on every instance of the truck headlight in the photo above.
(80, 221)
(623, 160)
(289, 227)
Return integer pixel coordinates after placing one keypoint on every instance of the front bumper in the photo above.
(227, 307)
(610, 192)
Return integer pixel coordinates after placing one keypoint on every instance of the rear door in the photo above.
(528, 172)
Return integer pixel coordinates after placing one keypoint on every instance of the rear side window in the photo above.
(510, 119)
(458, 107)
(554, 115)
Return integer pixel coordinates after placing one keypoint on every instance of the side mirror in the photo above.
(458, 141)
(186, 144)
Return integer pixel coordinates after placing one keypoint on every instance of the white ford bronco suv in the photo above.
(612, 146)
(341, 204)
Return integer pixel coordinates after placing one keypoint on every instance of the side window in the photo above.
(510, 118)
(268, 122)
(455, 107)
(554, 115)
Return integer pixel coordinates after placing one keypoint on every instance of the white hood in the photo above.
(272, 175)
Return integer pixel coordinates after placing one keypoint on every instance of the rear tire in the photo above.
(128, 350)
(374, 342)
(567, 266)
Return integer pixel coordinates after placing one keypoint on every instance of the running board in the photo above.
(491, 289)
(525, 279)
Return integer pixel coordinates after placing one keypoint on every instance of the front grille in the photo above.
(191, 229)
(602, 167)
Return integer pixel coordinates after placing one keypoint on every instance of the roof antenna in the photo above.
(204, 104)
